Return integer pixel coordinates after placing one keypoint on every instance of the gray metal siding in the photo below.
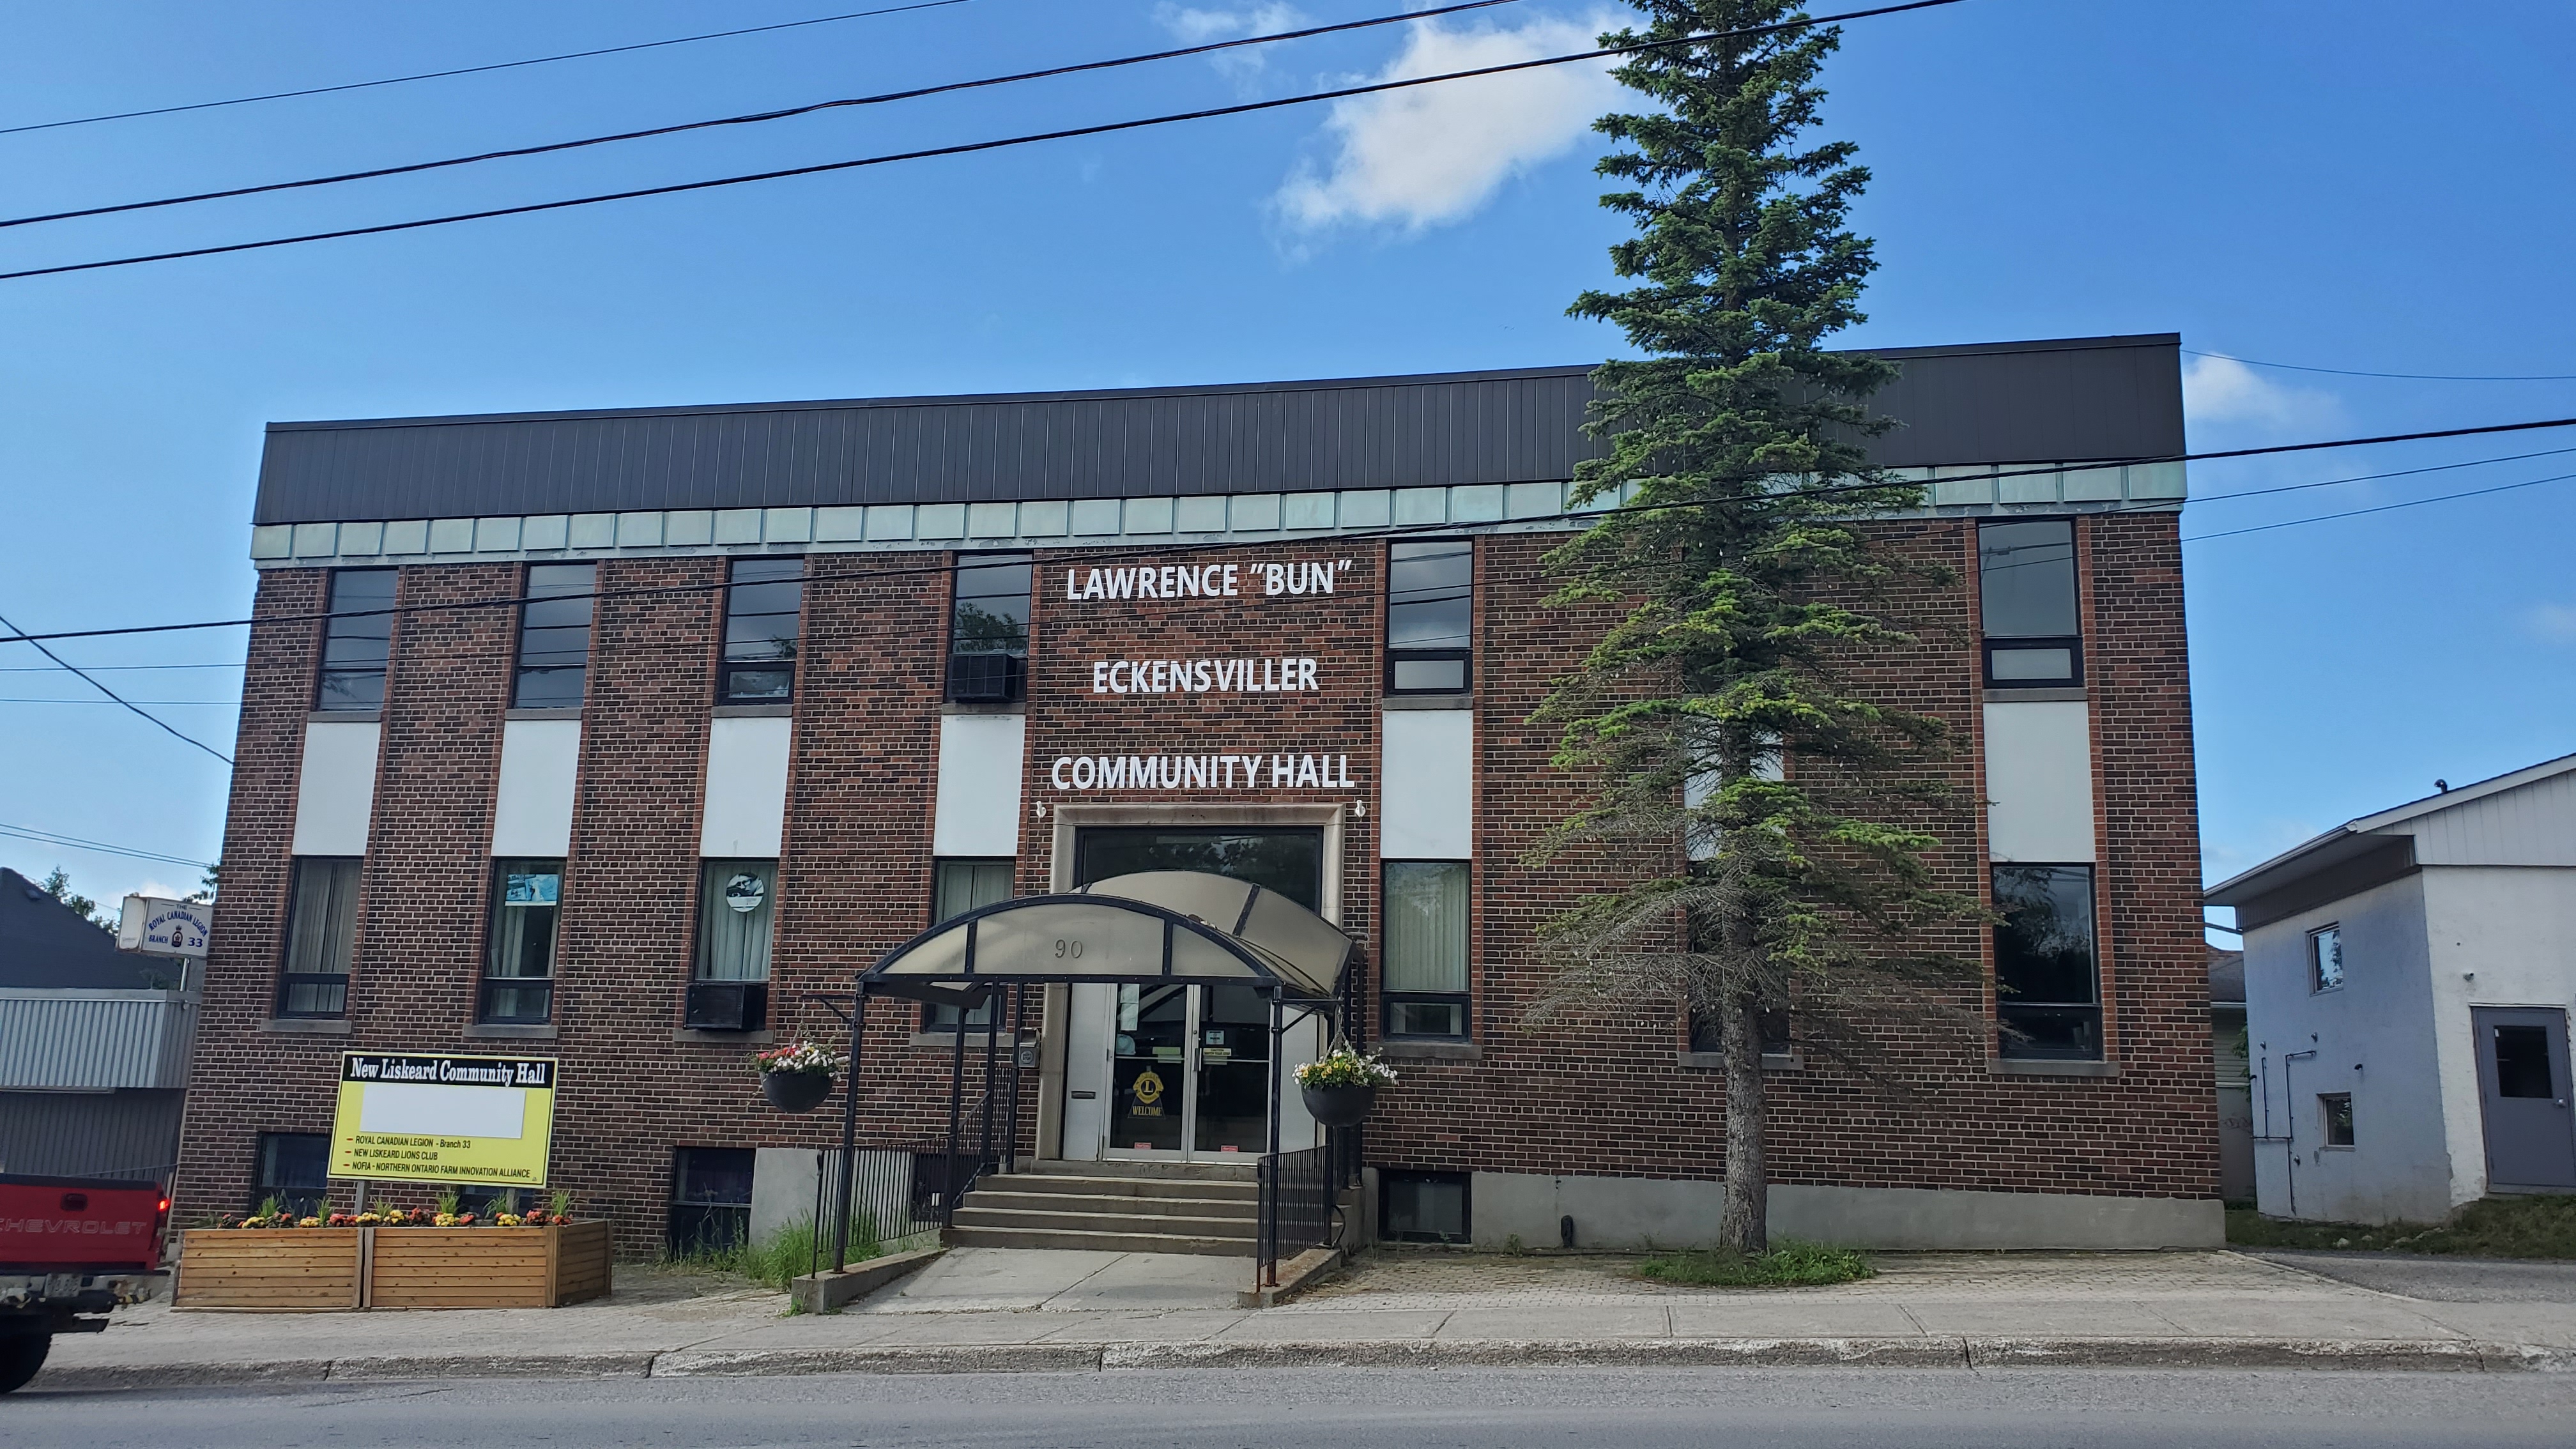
(91, 1134)
(2010, 402)
(94, 1040)
(2533, 824)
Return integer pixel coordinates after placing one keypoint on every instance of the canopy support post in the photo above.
(992, 1039)
(1270, 1162)
(956, 1106)
(1019, 1031)
(850, 1128)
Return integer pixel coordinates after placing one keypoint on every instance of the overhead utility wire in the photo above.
(2382, 508)
(969, 147)
(25, 638)
(73, 842)
(1130, 549)
(473, 69)
(756, 117)
(2404, 376)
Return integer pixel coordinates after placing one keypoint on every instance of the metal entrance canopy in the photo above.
(1156, 925)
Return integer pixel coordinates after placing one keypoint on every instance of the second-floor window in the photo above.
(2048, 985)
(761, 621)
(554, 636)
(1430, 598)
(518, 977)
(2325, 958)
(2026, 603)
(988, 633)
(357, 641)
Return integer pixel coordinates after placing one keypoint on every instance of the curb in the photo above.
(1928, 1352)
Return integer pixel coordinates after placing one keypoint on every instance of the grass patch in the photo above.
(1787, 1265)
(2495, 1227)
(788, 1254)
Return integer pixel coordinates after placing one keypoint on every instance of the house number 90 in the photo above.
(1071, 949)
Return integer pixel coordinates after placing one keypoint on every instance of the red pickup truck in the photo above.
(71, 1249)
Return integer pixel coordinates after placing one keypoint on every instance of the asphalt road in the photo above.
(2438, 1279)
(1344, 1409)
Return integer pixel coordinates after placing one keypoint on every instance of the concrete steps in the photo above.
(1128, 1207)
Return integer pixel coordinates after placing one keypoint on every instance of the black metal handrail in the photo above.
(1297, 1194)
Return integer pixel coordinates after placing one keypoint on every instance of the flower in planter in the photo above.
(465, 1220)
(368, 1219)
(506, 1220)
(796, 1057)
(444, 1220)
(1343, 1067)
(308, 1222)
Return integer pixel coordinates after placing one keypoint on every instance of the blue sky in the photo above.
(2369, 186)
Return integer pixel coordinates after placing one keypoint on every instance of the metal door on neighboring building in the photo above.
(2523, 1086)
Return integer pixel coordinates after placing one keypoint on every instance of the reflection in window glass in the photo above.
(1290, 862)
(518, 980)
(554, 637)
(2026, 592)
(292, 1168)
(2047, 991)
(354, 650)
(737, 902)
(988, 633)
(2325, 959)
(1430, 596)
(710, 1199)
(2336, 1109)
(761, 622)
(1425, 1207)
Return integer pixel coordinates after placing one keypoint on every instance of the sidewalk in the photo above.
(1000, 1310)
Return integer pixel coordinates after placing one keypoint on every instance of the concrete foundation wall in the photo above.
(1632, 1212)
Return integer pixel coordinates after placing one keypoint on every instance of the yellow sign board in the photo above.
(405, 1118)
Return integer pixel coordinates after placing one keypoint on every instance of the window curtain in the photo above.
(1426, 926)
(326, 914)
(733, 944)
(965, 885)
(523, 931)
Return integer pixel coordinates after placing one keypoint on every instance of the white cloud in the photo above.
(1433, 154)
(2223, 390)
(2554, 622)
(1193, 26)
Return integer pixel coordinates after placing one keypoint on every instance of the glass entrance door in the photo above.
(1230, 1106)
(1189, 1072)
(1149, 1070)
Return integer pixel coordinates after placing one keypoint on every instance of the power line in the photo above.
(755, 117)
(165, 725)
(103, 668)
(2382, 508)
(2406, 376)
(472, 69)
(966, 148)
(72, 842)
(1130, 550)
(155, 703)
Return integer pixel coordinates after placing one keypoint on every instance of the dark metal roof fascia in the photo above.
(2066, 400)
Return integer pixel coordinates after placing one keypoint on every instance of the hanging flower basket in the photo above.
(1340, 1087)
(796, 1077)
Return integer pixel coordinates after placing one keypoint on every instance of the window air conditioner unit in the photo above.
(728, 1005)
(979, 678)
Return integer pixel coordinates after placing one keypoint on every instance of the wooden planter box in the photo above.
(310, 1269)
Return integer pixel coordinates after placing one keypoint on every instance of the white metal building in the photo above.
(2408, 978)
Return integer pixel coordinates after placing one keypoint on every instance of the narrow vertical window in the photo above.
(554, 636)
(737, 902)
(322, 926)
(1425, 978)
(988, 633)
(958, 886)
(1430, 597)
(762, 607)
(357, 640)
(2047, 979)
(292, 1172)
(2026, 603)
(518, 977)
(2325, 959)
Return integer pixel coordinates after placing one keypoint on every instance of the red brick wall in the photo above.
(1578, 1096)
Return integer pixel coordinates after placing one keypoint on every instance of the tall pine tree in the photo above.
(1719, 724)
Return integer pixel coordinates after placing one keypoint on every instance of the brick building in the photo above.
(616, 737)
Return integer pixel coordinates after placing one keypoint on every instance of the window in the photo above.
(2522, 1062)
(518, 977)
(321, 927)
(354, 650)
(1430, 589)
(956, 887)
(710, 1199)
(2026, 597)
(2047, 991)
(737, 902)
(1707, 1034)
(2325, 959)
(1425, 976)
(1423, 1207)
(292, 1167)
(2335, 1110)
(554, 636)
(1289, 861)
(761, 610)
(988, 634)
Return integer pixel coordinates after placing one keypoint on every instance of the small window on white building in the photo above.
(2336, 1109)
(2325, 958)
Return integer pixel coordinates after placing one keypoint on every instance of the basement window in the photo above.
(292, 1169)
(1423, 1207)
(710, 1199)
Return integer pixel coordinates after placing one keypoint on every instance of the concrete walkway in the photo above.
(999, 1309)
